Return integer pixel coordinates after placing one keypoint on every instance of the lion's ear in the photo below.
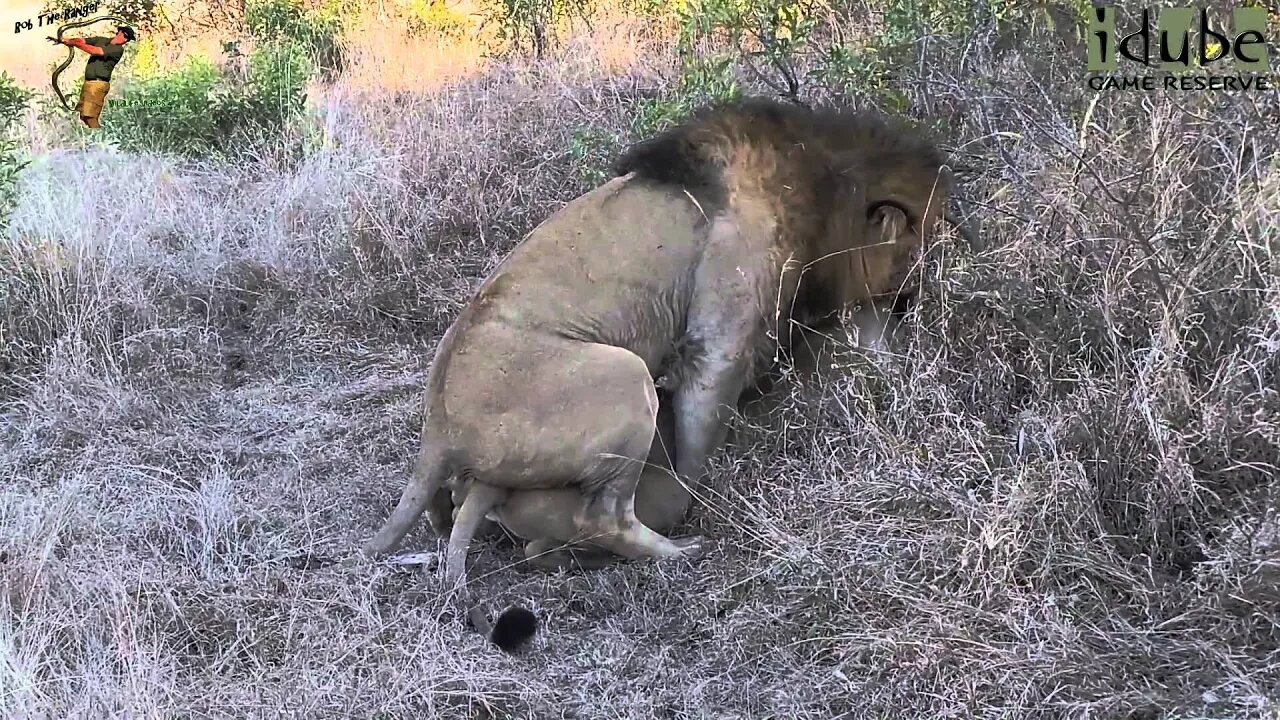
(889, 223)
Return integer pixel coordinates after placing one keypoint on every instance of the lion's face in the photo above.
(883, 218)
(904, 206)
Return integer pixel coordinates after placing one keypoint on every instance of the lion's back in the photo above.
(614, 262)
(626, 230)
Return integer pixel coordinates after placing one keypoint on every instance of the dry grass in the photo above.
(1054, 500)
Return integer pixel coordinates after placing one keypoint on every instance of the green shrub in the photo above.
(703, 80)
(316, 33)
(772, 41)
(203, 110)
(781, 45)
(590, 150)
(13, 103)
(895, 46)
(276, 90)
(434, 18)
(859, 71)
(764, 35)
(244, 104)
(169, 112)
(531, 23)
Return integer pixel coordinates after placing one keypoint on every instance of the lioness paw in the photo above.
(692, 547)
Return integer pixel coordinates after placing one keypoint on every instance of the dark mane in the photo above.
(682, 155)
(696, 153)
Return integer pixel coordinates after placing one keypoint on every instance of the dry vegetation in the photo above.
(1053, 500)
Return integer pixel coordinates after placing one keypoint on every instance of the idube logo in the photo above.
(1241, 47)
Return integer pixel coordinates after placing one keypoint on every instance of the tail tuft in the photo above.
(515, 627)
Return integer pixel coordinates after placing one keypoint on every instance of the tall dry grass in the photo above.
(1053, 499)
(387, 59)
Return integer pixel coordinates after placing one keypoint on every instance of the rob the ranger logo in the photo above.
(1242, 48)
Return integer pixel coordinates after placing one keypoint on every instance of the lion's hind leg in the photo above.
(620, 448)
(581, 420)
(545, 518)
(608, 518)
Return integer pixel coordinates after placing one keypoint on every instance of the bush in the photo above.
(242, 104)
(274, 92)
(13, 103)
(202, 110)
(591, 149)
(434, 18)
(781, 45)
(169, 112)
(533, 21)
(317, 33)
(703, 80)
(765, 36)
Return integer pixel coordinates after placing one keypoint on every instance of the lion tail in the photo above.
(515, 625)
(430, 472)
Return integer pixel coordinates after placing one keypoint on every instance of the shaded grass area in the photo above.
(1053, 500)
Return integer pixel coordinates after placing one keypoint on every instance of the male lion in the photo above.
(687, 269)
